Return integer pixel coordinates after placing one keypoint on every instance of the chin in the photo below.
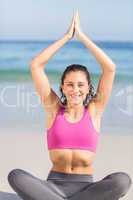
(76, 103)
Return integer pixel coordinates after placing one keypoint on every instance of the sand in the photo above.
(29, 152)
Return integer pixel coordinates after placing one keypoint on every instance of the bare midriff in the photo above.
(72, 161)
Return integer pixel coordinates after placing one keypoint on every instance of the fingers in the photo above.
(71, 29)
(77, 19)
(74, 27)
(73, 20)
(77, 27)
(77, 13)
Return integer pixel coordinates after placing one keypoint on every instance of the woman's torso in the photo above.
(73, 160)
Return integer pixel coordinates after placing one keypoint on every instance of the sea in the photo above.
(20, 106)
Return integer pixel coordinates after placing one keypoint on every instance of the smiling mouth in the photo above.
(75, 97)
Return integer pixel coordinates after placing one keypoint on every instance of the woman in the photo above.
(73, 129)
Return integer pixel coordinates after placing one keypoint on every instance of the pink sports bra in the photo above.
(67, 135)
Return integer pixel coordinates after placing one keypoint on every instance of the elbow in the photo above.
(110, 68)
(113, 67)
(34, 64)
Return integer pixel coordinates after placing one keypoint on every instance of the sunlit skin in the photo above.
(75, 84)
(75, 88)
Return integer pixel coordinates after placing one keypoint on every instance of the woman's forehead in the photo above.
(76, 77)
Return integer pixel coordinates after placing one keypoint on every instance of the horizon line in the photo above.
(43, 40)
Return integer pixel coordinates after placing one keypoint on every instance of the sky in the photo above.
(50, 19)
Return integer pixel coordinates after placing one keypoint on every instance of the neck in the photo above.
(74, 110)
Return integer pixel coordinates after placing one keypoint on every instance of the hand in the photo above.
(77, 25)
(71, 30)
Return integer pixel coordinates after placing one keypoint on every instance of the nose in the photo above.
(75, 89)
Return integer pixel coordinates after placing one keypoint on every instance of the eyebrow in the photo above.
(72, 82)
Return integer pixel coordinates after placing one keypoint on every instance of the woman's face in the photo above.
(75, 87)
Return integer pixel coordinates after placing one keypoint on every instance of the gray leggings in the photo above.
(59, 186)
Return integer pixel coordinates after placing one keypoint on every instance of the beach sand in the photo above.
(29, 152)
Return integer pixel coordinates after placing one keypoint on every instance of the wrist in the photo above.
(67, 37)
(80, 35)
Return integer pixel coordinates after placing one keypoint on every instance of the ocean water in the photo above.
(19, 104)
(15, 58)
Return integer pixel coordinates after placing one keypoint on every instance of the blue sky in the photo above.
(50, 19)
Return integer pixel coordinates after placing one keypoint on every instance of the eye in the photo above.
(70, 84)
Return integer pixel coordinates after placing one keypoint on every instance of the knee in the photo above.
(122, 182)
(14, 176)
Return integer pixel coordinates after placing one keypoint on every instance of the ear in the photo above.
(89, 86)
(62, 87)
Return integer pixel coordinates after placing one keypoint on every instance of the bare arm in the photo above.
(108, 69)
(42, 85)
(41, 59)
(47, 53)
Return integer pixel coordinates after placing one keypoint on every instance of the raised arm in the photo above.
(48, 97)
(108, 69)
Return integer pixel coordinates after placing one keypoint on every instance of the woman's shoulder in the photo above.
(93, 109)
(95, 115)
(58, 108)
(51, 116)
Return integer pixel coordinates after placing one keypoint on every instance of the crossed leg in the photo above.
(28, 187)
(112, 187)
